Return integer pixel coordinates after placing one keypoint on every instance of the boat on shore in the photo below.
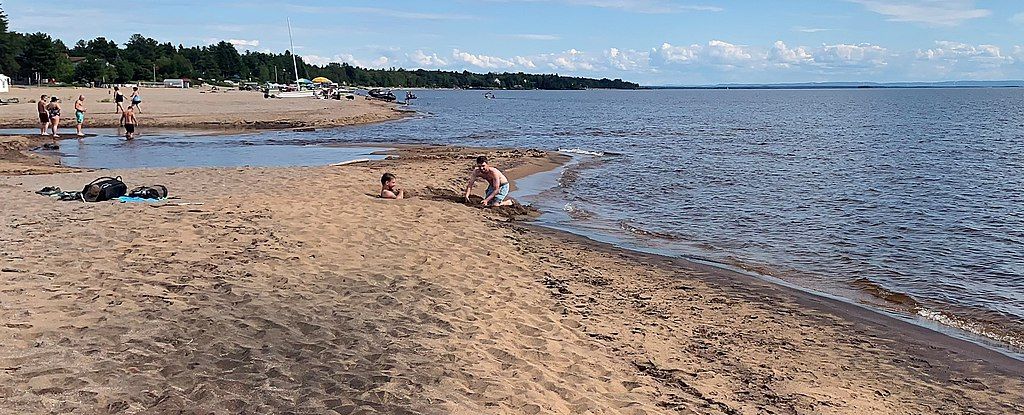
(381, 94)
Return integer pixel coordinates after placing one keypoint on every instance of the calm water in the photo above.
(909, 199)
(168, 148)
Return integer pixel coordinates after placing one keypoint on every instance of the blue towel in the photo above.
(129, 199)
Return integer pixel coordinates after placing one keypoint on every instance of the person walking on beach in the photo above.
(497, 184)
(136, 99)
(53, 111)
(80, 114)
(118, 101)
(388, 187)
(129, 122)
(44, 116)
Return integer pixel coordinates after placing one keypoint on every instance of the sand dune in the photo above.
(293, 291)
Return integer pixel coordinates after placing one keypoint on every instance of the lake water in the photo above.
(911, 200)
(169, 148)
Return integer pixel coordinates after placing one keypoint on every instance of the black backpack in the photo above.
(155, 191)
(104, 188)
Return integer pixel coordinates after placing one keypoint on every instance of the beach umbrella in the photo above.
(304, 81)
(322, 80)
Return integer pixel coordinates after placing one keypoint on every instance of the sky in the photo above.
(652, 42)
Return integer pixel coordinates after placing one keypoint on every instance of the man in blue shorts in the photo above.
(497, 184)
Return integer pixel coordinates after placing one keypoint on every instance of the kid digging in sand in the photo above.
(497, 184)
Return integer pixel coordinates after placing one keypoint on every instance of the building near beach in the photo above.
(5, 83)
(177, 83)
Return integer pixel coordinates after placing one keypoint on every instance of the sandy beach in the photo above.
(197, 108)
(294, 290)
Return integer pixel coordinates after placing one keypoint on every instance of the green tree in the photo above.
(41, 55)
(9, 47)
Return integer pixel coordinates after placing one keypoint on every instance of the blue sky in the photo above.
(648, 41)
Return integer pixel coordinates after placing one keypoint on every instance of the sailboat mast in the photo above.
(291, 42)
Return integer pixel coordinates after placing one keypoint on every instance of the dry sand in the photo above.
(196, 108)
(293, 290)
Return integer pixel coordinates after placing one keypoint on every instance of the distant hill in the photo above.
(854, 85)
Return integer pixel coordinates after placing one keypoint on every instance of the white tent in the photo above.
(5, 83)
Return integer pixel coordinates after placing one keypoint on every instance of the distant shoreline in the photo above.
(842, 86)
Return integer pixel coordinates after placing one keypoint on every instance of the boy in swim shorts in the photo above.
(497, 184)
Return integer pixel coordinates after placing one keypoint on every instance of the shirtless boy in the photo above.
(497, 184)
(388, 189)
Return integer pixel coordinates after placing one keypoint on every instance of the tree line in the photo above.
(28, 57)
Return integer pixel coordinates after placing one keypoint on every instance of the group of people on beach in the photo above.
(49, 109)
(497, 185)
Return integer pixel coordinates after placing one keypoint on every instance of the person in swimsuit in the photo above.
(136, 99)
(497, 184)
(118, 100)
(53, 110)
(80, 114)
(388, 189)
(44, 116)
(129, 122)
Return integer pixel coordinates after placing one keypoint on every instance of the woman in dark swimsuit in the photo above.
(53, 110)
(118, 100)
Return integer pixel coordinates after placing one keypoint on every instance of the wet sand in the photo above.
(295, 290)
(197, 108)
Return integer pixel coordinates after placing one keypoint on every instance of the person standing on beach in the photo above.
(129, 122)
(44, 116)
(497, 184)
(53, 111)
(388, 187)
(80, 114)
(136, 99)
(118, 101)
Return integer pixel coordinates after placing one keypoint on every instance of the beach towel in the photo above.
(130, 199)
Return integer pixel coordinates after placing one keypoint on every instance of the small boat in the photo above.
(409, 95)
(489, 95)
(381, 94)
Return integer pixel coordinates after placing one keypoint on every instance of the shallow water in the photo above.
(912, 200)
(166, 148)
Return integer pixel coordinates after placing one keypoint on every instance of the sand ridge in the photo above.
(292, 290)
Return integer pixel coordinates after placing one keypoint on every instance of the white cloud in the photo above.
(483, 61)
(572, 60)
(715, 52)
(426, 60)
(626, 60)
(955, 52)
(929, 12)
(241, 42)
(524, 62)
(864, 55)
(784, 56)
(376, 63)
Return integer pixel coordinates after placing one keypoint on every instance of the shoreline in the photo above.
(32, 164)
(200, 108)
(680, 335)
